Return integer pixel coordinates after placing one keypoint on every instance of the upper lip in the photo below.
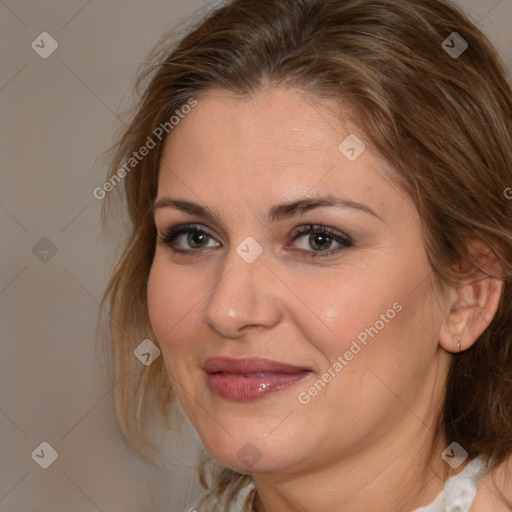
(249, 365)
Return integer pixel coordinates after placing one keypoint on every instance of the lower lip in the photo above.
(241, 388)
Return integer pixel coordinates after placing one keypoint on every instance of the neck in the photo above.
(401, 474)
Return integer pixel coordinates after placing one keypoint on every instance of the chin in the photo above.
(249, 453)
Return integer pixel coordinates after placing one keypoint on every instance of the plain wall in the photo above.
(57, 117)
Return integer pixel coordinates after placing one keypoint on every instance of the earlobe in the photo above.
(472, 304)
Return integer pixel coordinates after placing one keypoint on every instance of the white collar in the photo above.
(459, 491)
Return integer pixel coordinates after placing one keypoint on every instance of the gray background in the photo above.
(58, 115)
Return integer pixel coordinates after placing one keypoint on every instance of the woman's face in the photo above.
(351, 309)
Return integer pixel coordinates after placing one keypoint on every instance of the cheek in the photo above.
(173, 312)
(370, 319)
(378, 343)
(172, 304)
(348, 306)
(160, 302)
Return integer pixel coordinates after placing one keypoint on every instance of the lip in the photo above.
(249, 365)
(250, 378)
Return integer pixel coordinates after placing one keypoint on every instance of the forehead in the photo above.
(280, 143)
(269, 124)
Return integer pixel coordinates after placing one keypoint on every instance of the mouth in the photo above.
(250, 378)
(249, 366)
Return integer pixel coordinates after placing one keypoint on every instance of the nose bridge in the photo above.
(241, 296)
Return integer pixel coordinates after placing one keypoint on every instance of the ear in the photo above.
(472, 304)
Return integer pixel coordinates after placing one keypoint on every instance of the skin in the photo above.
(366, 440)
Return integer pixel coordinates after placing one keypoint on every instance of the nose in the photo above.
(243, 298)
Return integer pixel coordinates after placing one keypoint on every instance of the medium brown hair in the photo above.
(444, 124)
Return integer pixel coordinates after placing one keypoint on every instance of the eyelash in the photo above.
(345, 241)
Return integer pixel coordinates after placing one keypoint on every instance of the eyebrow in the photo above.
(275, 214)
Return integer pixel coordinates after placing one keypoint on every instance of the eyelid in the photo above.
(320, 228)
(344, 240)
(174, 232)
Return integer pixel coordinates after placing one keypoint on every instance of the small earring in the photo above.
(458, 343)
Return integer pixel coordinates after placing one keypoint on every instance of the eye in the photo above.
(194, 241)
(320, 239)
(190, 239)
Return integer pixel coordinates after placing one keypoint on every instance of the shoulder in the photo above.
(495, 490)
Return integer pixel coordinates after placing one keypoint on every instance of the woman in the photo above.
(321, 249)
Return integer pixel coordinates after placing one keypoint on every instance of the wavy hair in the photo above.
(442, 121)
